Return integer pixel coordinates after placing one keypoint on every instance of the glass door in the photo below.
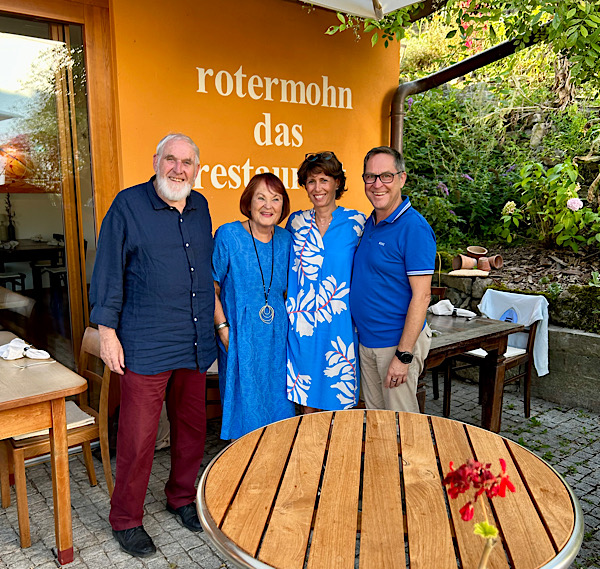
(47, 234)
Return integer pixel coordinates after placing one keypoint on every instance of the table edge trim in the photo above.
(222, 543)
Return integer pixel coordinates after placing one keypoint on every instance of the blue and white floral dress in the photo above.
(322, 350)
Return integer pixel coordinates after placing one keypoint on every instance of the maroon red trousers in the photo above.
(141, 403)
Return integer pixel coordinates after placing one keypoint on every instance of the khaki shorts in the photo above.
(374, 364)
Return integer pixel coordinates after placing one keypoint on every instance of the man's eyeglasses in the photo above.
(319, 156)
(385, 178)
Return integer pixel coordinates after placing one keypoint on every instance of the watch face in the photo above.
(405, 357)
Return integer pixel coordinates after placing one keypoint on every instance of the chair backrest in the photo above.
(509, 306)
(513, 307)
(95, 371)
(439, 291)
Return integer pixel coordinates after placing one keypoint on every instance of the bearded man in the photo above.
(152, 296)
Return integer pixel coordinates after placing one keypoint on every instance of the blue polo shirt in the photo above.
(400, 246)
(153, 283)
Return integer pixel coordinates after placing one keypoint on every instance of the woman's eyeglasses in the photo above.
(385, 178)
(319, 156)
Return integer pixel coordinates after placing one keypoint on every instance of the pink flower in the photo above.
(574, 204)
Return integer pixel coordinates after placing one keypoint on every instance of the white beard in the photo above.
(172, 191)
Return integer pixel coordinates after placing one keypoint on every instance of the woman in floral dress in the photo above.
(322, 351)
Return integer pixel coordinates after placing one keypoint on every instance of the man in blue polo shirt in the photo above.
(152, 296)
(391, 287)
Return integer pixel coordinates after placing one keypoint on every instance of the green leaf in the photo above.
(450, 34)
(485, 530)
(341, 17)
(374, 39)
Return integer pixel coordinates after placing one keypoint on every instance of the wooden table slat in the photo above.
(382, 526)
(527, 542)
(286, 539)
(453, 445)
(334, 536)
(549, 493)
(245, 521)
(426, 518)
(226, 473)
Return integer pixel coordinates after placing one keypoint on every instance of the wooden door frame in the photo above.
(94, 16)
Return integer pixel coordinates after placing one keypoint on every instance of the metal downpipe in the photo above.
(438, 78)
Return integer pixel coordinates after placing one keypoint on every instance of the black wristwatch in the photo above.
(404, 357)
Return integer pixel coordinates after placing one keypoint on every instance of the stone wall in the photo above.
(573, 355)
(574, 363)
(464, 292)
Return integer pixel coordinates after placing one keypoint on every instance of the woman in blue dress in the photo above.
(322, 355)
(250, 263)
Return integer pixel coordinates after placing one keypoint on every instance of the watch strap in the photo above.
(404, 357)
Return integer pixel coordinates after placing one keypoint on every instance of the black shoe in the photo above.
(135, 541)
(188, 516)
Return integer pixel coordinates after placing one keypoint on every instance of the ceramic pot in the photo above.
(476, 251)
(496, 261)
(463, 262)
(483, 264)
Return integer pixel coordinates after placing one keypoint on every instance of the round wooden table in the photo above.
(364, 489)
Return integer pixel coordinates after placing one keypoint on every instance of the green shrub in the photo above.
(552, 211)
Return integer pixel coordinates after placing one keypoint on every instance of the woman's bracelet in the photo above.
(222, 325)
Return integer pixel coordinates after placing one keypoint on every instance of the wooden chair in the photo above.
(514, 358)
(21, 449)
(440, 293)
(15, 280)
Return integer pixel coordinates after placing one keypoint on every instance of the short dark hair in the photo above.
(274, 184)
(398, 158)
(319, 165)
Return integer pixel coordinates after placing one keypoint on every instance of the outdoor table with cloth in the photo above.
(325, 489)
(456, 335)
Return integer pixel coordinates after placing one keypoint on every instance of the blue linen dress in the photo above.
(252, 372)
(322, 352)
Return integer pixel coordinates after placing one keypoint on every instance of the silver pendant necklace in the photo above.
(267, 312)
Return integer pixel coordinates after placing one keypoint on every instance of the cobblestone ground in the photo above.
(567, 438)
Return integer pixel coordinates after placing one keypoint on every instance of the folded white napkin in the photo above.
(445, 308)
(18, 348)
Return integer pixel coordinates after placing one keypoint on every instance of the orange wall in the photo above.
(159, 47)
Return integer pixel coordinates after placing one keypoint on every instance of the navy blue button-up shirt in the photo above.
(153, 283)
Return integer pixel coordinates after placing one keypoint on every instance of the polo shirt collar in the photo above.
(158, 203)
(396, 214)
